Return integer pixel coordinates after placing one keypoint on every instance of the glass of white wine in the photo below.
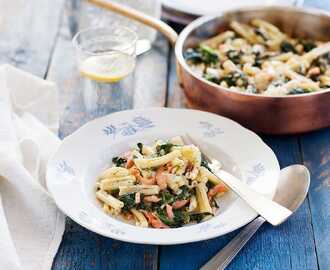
(106, 61)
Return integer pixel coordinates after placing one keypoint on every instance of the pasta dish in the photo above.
(165, 185)
(259, 58)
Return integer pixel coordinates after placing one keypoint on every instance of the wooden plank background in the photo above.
(40, 42)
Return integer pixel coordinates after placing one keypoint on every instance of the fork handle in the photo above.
(224, 257)
(273, 212)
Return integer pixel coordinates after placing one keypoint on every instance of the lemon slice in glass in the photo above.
(107, 68)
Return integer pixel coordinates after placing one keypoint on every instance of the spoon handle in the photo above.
(138, 16)
(224, 257)
(273, 212)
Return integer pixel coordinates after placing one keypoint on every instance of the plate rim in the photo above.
(201, 237)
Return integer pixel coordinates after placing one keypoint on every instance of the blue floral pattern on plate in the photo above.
(63, 167)
(209, 130)
(257, 170)
(114, 229)
(204, 227)
(137, 124)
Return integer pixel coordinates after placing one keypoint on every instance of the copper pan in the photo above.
(271, 115)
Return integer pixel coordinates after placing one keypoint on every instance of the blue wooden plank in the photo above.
(316, 152)
(28, 33)
(83, 249)
(289, 246)
(79, 249)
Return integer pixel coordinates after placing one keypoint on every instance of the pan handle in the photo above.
(138, 16)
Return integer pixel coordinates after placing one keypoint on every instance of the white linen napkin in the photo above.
(31, 227)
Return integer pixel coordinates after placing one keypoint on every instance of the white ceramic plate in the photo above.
(210, 7)
(72, 171)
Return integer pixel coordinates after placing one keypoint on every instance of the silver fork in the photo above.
(271, 211)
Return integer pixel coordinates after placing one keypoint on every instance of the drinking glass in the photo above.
(106, 62)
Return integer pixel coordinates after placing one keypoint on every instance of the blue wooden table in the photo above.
(41, 43)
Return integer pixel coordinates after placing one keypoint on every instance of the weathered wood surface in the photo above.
(316, 153)
(63, 71)
(28, 31)
(40, 42)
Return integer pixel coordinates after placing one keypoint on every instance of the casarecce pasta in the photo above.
(164, 185)
(258, 58)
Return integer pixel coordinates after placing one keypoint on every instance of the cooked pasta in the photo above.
(165, 185)
(258, 58)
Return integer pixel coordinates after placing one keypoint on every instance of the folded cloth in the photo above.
(31, 227)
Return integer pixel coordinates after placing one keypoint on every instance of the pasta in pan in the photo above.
(258, 58)
(165, 185)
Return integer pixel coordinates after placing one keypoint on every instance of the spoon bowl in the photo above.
(293, 186)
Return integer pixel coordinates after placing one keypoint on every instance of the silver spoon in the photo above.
(291, 192)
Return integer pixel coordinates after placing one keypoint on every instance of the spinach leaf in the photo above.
(212, 78)
(169, 198)
(234, 56)
(215, 204)
(326, 57)
(193, 55)
(119, 162)
(308, 45)
(164, 149)
(209, 56)
(166, 197)
(197, 217)
(322, 62)
(260, 33)
(184, 194)
(201, 54)
(180, 217)
(235, 79)
(258, 60)
(161, 213)
(205, 164)
(128, 200)
(287, 47)
(299, 90)
(145, 206)
(140, 147)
